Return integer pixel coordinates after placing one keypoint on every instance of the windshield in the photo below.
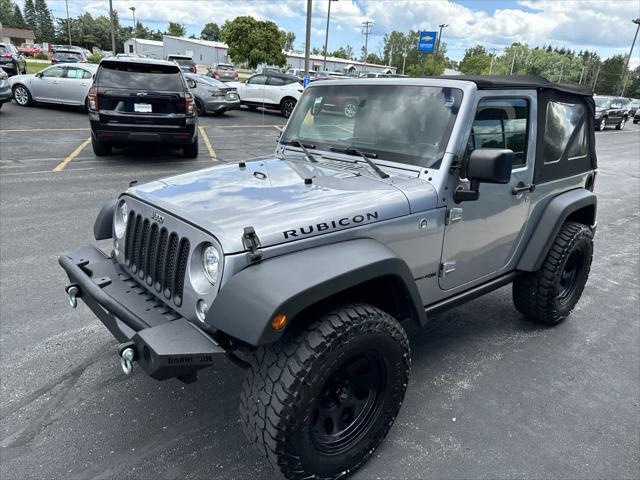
(400, 123)
(602, 102)
(183, 61)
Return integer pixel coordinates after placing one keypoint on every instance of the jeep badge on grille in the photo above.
(157, 217)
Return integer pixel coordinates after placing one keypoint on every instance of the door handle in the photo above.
(522, 188)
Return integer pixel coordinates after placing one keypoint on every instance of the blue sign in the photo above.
(305, 81)
(427, 42)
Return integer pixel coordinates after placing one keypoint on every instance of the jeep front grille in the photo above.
(156, 257)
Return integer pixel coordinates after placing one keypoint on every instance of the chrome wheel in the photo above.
(603, 123)
(350, 110)
(21, 96)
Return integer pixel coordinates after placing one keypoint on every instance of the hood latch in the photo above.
(251, 242)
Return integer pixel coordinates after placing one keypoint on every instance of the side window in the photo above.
(564, 131)
(258, 80)
(502, 123)
(87, 74)
(277, 81)
(55, 72)
(73, 72)
(191, 83)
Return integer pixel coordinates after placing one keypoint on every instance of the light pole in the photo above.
(404, 58)
(307, 46)
(626, 65)
(326, 36)
(435, 58)
(135, 43)
(493, 57)
(113, 28)
(66, 4)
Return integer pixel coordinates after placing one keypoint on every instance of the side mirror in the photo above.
(485, 165)
(39, 75)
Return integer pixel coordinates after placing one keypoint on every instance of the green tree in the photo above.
(30, 17)
(176, 30)
(610, 76)
(289, 40)
(340, 53)
(374, 58)
(18, 19)
(254, 42)
(633, 84)
(211, 32)
(46, 29)
(6, 13)
(476, 61)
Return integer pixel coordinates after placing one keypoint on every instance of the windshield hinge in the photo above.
(251, 242)
(456, 164)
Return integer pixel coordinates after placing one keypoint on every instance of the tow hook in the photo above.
(72, 293)
(127, 356)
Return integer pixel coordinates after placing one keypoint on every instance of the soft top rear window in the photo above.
(137, 76)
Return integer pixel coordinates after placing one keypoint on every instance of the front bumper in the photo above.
(165, 344)
(5, 93)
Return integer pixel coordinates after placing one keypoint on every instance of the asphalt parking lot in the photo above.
(491, 395)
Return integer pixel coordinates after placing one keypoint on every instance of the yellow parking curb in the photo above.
(71, 156)
(212, 152)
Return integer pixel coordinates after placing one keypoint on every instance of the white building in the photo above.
(205, 52)
(147, 48)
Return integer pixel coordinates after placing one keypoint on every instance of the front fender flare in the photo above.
(103, 226)
(288, 284)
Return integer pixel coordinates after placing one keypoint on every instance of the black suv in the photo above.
(611, 111)
(11, 60)
(141, 100)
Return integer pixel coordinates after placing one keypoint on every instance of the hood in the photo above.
(273, 197)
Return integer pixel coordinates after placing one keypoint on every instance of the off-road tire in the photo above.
(285, 379)
(539, 295)
(620, 125)
(191, 150)
(100, 149)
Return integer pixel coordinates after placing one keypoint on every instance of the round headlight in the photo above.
(211, 263)
(122, 215)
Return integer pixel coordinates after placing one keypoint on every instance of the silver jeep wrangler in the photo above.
(304, 267)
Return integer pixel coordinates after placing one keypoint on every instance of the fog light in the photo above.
(279, 322)
(201, 310)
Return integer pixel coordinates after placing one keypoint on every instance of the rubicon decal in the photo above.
(331, 225)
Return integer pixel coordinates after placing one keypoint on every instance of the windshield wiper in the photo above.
(304, 147)
(365, 156)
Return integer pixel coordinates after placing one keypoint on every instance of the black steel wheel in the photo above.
(287, 106)
(320, 401)
(551, 293)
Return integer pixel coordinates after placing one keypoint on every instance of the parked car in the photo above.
(5, 88)
(11, 60)
(610, 111)
(211, 95)
(373, 75)
(276, 92)
(68, 56)
(223, 71)
(311, 268)
(66, 84)
(633, 110)
(299, 72)
(141, 100)
(29, 49)
(187, 65)
(326, 75)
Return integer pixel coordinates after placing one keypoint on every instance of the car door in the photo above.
(45, 86)
(482, 236)
(253, 90)
(275, 89)
(74, 85)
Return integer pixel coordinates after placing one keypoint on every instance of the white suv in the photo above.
(273, 91)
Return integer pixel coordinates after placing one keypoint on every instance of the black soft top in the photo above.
(515, 82)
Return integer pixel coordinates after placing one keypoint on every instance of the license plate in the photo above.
(142, 107)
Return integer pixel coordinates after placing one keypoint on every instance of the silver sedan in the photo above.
(211, 95)
(67, 84)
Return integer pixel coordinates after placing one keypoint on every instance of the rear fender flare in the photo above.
(291, 283)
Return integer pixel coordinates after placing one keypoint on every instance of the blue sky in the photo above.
(601, 25)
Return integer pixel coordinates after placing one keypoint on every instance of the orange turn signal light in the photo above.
(279, 322)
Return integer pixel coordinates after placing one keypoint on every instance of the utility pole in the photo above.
(326, 36)
(113, 28)
(366, 31)
(581, 74)
(66, 4)
(307, 47)
(435, 58)
(515, 52)
(135, 41)
(595, 80)
(626, 65)
(493, 57)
